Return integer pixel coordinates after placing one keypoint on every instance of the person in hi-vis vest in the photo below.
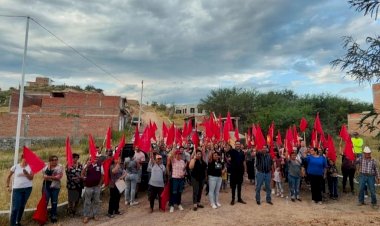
(357, 142)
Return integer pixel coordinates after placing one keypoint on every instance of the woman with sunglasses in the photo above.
(52, 173)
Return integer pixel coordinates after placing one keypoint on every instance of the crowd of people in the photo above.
(207, 168)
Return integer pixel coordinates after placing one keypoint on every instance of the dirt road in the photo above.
(283, 212)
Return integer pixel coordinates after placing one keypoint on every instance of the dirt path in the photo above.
(283, 212)
(149, 114)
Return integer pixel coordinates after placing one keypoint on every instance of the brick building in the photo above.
(354, 118)
(61, 114)
(40, 82)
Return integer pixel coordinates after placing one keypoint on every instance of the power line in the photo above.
(68, 45)
(76, 51)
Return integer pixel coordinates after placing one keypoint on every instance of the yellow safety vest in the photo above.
(358, 145)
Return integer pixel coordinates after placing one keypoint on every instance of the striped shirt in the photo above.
(368, 166)
(263, 162)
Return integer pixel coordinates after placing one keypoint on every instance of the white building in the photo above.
(189, 109)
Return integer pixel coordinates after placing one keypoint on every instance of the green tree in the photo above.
(362, 64)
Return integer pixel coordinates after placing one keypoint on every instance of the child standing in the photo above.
(332, 179)
(277, 180)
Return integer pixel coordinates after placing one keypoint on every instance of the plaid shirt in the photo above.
(368, 166)
(178, 167)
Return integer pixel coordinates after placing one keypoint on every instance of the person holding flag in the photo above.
(52, 173)
(92, 175)
(22, 187)
(74, 184)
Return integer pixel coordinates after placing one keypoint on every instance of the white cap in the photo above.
(367, 149)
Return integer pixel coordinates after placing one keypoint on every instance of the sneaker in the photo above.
(126, 203)
(195, 207)
(171, 209)
(214, 206)
(232, 202)
(320, 203)
(218, 204)
(270, 202)
(200, 206)
(134, 203)
(180, 207)
(118, 213)
(282, 195)
(241, 201)
(110, 215)
(273, 192)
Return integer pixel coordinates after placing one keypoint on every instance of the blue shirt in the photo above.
(316, 165)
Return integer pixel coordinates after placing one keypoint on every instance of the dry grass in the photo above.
(6, 162)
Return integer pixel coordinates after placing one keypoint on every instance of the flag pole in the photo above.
(20, 106)
(141, 96)
(304, 138)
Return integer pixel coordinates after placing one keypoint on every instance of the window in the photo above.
(192, 110)
(178, 111)
(200, 111)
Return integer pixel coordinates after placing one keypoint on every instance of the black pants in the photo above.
(113, 205)
(235, 182)
(154, 192)
(350, 173)
(316, 189)
(197, 190)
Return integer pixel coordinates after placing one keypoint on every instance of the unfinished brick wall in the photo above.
(73, 114)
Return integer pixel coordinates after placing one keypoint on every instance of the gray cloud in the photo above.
(188, 41)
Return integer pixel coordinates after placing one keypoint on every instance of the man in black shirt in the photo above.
(237, 167)
(263, 175)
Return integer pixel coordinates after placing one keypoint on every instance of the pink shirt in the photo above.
(178, 168)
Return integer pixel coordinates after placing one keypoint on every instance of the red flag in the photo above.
(165, 195)
(92, 148)
(217, 131)
(41, 213)
(289, 141)
(348, 149)
(119, 147)
(249, 138)
(144, 144)
(271, 152)
(237, 134)
(69, 154)
(171, 134)
(314, 139)
(343, 133)
(136, 142)
(229, 122)
(189, 128)
(295, 136)
(164, 130)
(184, 130)
(108, 138)
(152, 130)
(260, 140)
(317, 124)
(195, 139)
(279, 139)
(226, 133)
(34, 162)
(303, 124)
(106, 168)
(331, 154)
(178, 137)
(270, 134)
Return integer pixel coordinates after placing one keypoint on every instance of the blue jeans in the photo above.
(177, 185)
(262, 178)
(294, 186)
(130, 190)
(52, 194)
(214, 184)
(19, 199)
(368, 180)
(333, 186)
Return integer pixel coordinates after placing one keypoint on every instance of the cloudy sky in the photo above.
(184, 49)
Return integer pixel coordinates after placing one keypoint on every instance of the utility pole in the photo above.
(20, 105)
(142, 88)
